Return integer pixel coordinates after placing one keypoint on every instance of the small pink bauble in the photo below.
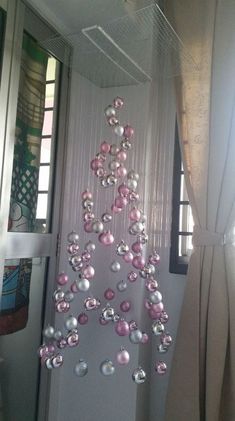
(118, 102)
(132, 276)
(122, 328)
(88, 227)
(133, 325)
(123, 357)
(153, 314)
(95, 164)
(164, 317)
(128, 131)
(138, 262)
(158, 308)
(125, 306)
(86, 195)
(160, 367)
(145, 338)
(62, 307)
(128, 257)
(115, 209)
(151, 285)
(123, 190)
(88, 272)
(88, 216)
(106, 238)
(102, 321)
(72, 248)
(137, 247)
(121, 202)
(154, 259)
(62, 278)
(72, 339)
(121, 155)
(121, 172)
(74, 287)
(134, 214)
(82, 319)
(105, 147)
(51, 348)
(109, 294)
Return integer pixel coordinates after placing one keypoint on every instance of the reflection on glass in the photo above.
(44, 173)
(47, 124)
(2, 31)
(185, 245)
(20, 327)
(45, 155)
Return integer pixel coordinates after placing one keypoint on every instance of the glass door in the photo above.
(32, 169)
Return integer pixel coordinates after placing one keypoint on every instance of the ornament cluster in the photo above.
(109, 167)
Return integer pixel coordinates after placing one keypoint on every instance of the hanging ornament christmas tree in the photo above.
(109, 167)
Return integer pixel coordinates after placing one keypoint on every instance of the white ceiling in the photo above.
(69, 16)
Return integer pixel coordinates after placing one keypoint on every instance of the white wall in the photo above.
(116, 397)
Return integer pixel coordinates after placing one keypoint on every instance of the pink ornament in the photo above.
(134, 214)
(160, 367)
(128, 257)
(51, 348)
(86, 195)
(109, 294)
(137, 247)
(118, 103)
(154, 259)
(82, 319)
(123, 357)
(121, 155)
(122, 328)
(105, 147)
(121, 202)
(158, 308)
(74, 287)
(88, 227)
(88, 216)
(128, 131)
(145, 338)
(123, 190)
(62, 307)
(62, 279)
(88, 272)
(106, 238)
(102, 321)
(133, 325)
(115, 209)
(153, 314)
(43, 351)
(132, 276)
(164, 317)
(72, 248)
(121, 172)
(91, 303)
(72, 339)
(86, 257)
(125, 306)
(151, 285)
(138, 262)
(95, 164)
(62, 343)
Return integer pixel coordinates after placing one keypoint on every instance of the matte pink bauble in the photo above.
(137, 247)
(121, 155)
(121, 172)
(128, 257)
(123, 357)
(62, 278)
(123, 190)
(106, 238)
(121, 202)
(153, 314)
(158, 308)
(145, 338)
(122, 328)
(134, 214)
(82, 319)
(128, 131)
(115, 209)
(125, 306)
(138, 262)
(86, 195)
(88, 227)
(88, 272)
(109, 294)
(105, 147)
(96, 163)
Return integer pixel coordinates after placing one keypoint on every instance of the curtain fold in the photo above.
(202, 383)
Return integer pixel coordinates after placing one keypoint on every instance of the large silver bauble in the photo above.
(73, 237)
(132, 184)
(106, 217)
(122, 248)
(110, 111)
(137, 227)
(157, 328)
(71, 323)
(119, 130)
(107, 368)
(155, 297)
(83, 284)
(115, 266)
(139, 375)
(132, 175)
(49, 332)
(90, 247)
(111, 180)
(135, 336)
(81, 368)
(108, 313)
(58, 295)
(97, 227)
(121, 286)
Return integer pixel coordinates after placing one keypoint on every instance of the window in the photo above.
(182, 220)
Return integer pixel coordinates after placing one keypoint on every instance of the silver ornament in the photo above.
(57, 335)
(90, 247)
(48, 363)
(162, 349)
(49, 332)
(126, 144)
(119, 130)
(97, 227)
(57, 361)
(121, 286)
(107, 368)
(143, 274)
(108, 313)
(115, 266)
(106, 217)
(114, 165)
(122, 248)
(81, 368)
(150, 269)
(69, 296)
(73, 237)
(104, 182)
(132, 175)
(157, 328)
(132, 184)
(76, 260)
(58, 295)
(137, 227)
(71, 323)
(113, 150)
(111, 180)
(110, 111)
(155, 297)
(143, 238)
(116, 317)
(139, 375)
(135, 336)
(83, 284)
(101, 156)
(87, 204)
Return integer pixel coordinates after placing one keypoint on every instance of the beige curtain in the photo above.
(202, 381)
